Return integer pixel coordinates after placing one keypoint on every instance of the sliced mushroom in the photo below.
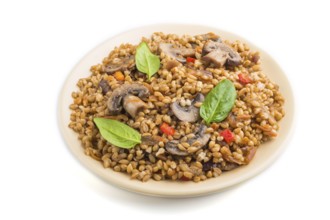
(189, 113)
(220, 54)
(199, 140)
(234, 58)
(177, 53)
(118, 99)
(133, 104)
(209, 165)
(201, 137)
(120, 64)
(104, 85)
(172, 148)
(210, 46)
(217, 57)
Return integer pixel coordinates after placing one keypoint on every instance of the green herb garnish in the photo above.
(117, 133)
(146, 62)
(219, 102)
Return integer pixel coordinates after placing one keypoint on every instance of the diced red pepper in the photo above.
(190, 60)
(244, 79)
(166, 129)
(227, 135)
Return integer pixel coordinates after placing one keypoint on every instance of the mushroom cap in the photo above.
(200, 136)
(210, 46)
(177, 53)
(104, 85)
(187, 114)
(120, 64)
(172, 148)
(234, 58)
(115, 102)
(217, 57)
(219, 54)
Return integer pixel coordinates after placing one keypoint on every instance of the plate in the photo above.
(265, 155)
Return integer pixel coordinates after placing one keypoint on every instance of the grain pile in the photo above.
(253, 119)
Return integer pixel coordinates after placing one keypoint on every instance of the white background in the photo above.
(41, 41)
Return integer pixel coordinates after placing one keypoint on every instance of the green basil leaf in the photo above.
(219, 102)
(146, 62)
(118, 133)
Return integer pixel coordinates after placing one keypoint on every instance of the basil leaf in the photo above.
(117, 133)
(146, 62)
(219, 102)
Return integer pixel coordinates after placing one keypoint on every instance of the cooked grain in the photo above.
(256, 113)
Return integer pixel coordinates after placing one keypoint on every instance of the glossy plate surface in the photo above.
(265, 155)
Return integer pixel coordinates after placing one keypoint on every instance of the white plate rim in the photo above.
(188, 189)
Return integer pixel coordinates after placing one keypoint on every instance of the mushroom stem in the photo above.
(200, 139)
(179, 54)
(120, 64)
(133, 104)
(115, 102)
(187, 114)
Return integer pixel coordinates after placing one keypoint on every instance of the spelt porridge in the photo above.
(183, 108)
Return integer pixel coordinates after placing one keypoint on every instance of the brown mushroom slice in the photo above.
(177, 53)
(201, 138)
(210, 46)
(234, 58)
(217, 57)
(115, 102)
(190, 113)
(120, 64)
(216, 52)
(133, 104)
(172, 148)
(104, 85)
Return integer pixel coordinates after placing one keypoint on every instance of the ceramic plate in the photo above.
(266, 154)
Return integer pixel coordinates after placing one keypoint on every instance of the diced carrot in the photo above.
(119, 76)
